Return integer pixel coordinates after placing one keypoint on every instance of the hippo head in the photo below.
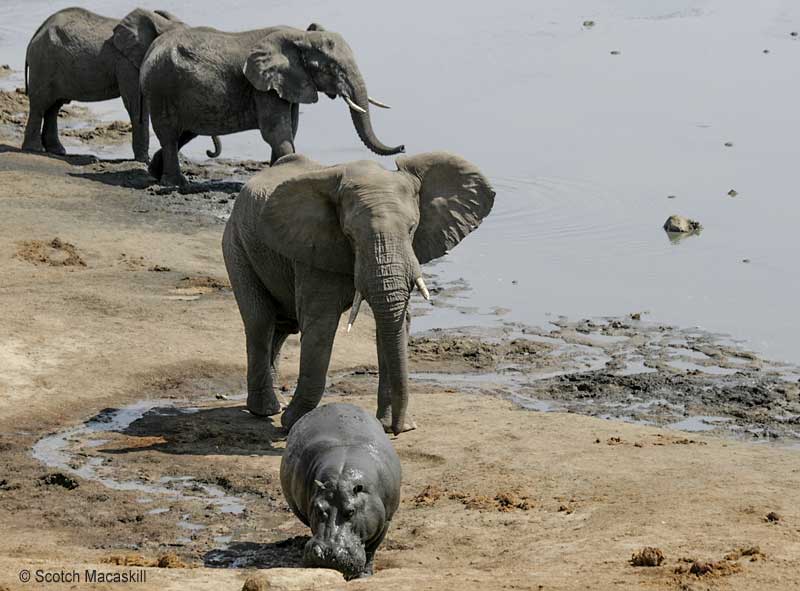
(344, 514)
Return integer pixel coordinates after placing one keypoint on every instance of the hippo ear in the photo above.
(454, 197)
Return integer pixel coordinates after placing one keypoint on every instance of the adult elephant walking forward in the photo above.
(79, 55)
(200, 81)
(305, 241)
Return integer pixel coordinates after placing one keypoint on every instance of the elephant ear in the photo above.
(134, 34)
(298, 215)
(276, 63)
(454, 197)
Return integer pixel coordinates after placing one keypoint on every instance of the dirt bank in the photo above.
(124, 443)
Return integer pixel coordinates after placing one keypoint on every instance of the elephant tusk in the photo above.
(423, 289)
(352, 104)
(354, 310)
(379, 103)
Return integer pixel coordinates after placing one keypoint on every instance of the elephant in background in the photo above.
(304, 241)
(200, 81)
(79, 55)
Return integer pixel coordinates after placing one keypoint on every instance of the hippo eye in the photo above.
(357, 489)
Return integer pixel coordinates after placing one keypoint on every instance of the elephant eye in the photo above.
(357, 489)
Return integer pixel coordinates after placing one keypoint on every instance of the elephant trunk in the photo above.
(362, 121)
(386, 284)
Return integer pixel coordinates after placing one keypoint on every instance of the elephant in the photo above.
(304, 241)
(201, 81)
(79, 55)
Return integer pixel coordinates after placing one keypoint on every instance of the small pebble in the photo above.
(733, 193)
(766, 51)
(793, 33)
(671, 196)
(728, 144)
(590, 24)
(615, 52)
(745, 260)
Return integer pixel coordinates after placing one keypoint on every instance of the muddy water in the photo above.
(584, 146)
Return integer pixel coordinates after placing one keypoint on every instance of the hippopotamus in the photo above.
(341, 477)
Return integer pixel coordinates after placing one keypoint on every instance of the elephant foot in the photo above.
(263, 404)
(388, 427)
(142, 158)
(292, 414)
(177, 180)
(55, 148)
(32, 146)
(156, 166)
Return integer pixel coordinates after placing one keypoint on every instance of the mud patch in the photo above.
(55, 253)
(466, 353)
(113, 132)
(647, 556)
(170, 560)
(624, 369)
(503, 501)
(59, 479)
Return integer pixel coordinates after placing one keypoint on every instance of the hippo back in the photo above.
(338, 435)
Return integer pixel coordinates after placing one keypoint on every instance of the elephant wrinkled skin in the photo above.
(304, 240)
(79, 55)
(200, 81)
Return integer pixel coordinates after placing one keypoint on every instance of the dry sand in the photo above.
(112, 294)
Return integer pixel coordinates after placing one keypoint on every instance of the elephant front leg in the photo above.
(316, 344)
(276, 123)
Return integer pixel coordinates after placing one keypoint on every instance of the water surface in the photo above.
(583, 146)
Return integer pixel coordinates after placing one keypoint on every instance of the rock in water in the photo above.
(678, 223)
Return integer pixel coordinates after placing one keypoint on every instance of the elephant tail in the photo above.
(217, 147)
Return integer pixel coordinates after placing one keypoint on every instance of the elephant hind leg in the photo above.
(50, 131)
(258, 314)
(33, 128)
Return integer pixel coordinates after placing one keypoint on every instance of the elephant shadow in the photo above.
(129, 179)
(140, 179)
(229, 430)
(286, 553)
(74, 159)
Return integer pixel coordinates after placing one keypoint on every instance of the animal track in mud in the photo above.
(55, 253)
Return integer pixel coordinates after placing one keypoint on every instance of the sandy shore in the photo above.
(114, 292)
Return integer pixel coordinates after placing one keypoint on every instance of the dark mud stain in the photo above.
(59, 479)
(283, 553)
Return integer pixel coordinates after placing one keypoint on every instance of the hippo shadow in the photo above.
(286, 553)
(229, 430)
